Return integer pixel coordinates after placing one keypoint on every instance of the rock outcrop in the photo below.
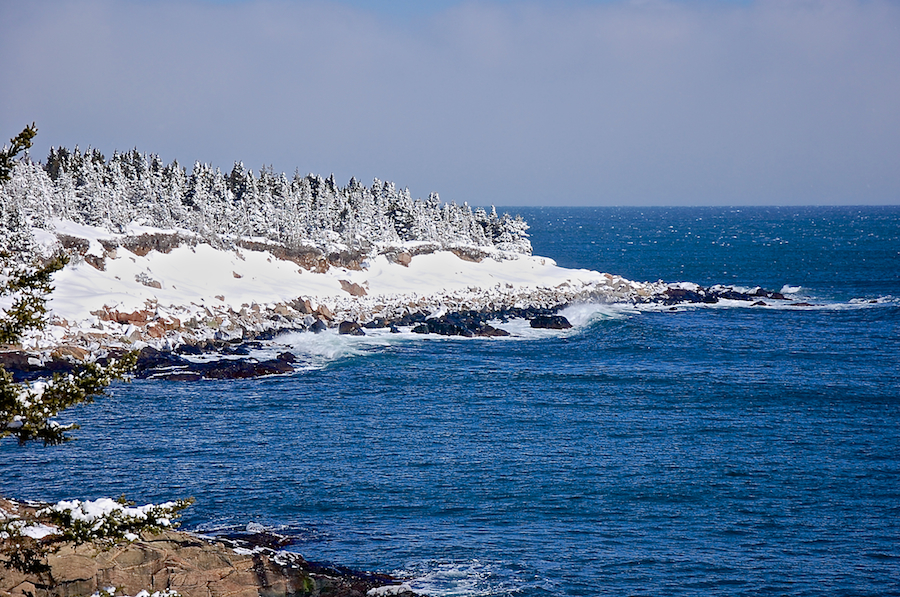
(190, 565)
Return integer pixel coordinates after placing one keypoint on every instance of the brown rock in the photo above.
(303, 306)
(353, 289)
(156, 330)
(96, 262)
(70, 352)
(191, 565)
(403, 258)
(137, 317)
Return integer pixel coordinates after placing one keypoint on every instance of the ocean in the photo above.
(730, 450)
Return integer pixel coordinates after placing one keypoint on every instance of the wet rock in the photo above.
(318, 326)
(287, 357)
(550, 322)
(445, 327)
(682, 295)
(676, 295)
(490, 331)
(241, 350)
(180, 376)
(189, 349)
(350, 328)
(241, 369)
(150, 359)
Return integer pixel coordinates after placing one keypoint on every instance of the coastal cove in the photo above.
(651, 448)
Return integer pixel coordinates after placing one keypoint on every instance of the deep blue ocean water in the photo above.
(709, 450)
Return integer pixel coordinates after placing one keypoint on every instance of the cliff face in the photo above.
(189, 565)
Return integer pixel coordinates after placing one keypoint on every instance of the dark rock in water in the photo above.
(489, 330)
(448, 327)
(287, 357)
(189, 349)
(801, 305)
(318, 326)
(675, 295)
(227, 369)
(735, 295)
(681, 295)
(550, 322)
(241, 351)
(180, 376)
(769, 295)
(394, 329)
(420, 329)
(351, 328)
(149, 358)
(411, 319)
(375, 324)
(760, 304)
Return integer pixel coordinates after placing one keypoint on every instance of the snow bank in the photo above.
(117, 297)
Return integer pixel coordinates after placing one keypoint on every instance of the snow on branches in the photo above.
(298, 212)
(26, 540)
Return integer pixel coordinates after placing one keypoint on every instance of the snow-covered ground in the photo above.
(195, 291)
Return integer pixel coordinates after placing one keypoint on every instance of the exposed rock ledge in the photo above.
(192, 566)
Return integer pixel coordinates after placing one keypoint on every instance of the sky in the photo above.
(578, 102)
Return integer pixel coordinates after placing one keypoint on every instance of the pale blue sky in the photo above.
(603, 102)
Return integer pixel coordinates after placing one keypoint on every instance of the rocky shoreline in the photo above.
(229, 356)
(245, 564)
(230, 353)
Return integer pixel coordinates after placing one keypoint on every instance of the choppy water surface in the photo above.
(706, 450)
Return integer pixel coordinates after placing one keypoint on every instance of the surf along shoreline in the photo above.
(193, 311)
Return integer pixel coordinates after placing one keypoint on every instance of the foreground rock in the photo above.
(192, 566)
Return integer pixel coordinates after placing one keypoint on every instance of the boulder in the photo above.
(550, 322)
(488, 330)
(351, 328)
(352, 288)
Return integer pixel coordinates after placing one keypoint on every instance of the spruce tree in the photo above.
(27, 410)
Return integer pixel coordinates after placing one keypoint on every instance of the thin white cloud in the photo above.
(512, 103)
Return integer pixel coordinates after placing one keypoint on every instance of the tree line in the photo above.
(299, 211)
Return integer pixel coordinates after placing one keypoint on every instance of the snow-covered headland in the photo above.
(164, 258)
(167, 287)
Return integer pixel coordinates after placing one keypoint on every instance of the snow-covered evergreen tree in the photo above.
(304, 211)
